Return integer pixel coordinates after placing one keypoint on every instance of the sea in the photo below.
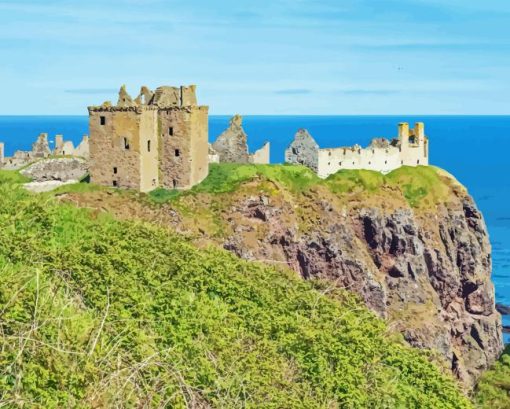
(473, 148)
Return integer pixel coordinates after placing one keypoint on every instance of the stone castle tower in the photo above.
(159, 139)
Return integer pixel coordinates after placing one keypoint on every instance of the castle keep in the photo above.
(159, 139)
(410, 148)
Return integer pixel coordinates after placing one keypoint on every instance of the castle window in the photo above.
(126, 143)
(115, 170)
(329, 153)
(115, 183)
(418, 162)
(401, 162)
(385, 162)
(148, 146)
(329, 163)
(177, 153)
(174, 183)
(412, 139)
(171, 131)
(339, 163)
(369, 163)
(102, 120)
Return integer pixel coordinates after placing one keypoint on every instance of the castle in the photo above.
(410, 148)
(159, 139)
(41, 150)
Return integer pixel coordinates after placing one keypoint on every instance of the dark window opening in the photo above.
(115, 183)
(102, 120)
(418, 162)
(171, 131)
(412, 139)
(174, 183)
(401, 162)
(115, 170)
(126, 143)
(177, 152)
(369, 163)
(148, 146)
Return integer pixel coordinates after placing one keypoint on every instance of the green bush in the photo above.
(100, 313)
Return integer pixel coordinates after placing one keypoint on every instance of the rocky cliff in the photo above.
(412, 244)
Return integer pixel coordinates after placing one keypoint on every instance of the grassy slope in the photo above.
(96, 312)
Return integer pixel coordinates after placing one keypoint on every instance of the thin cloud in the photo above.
(369, 92)
(293, 91)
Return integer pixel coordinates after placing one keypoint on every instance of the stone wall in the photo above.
(61, 169)
(115, 148)
(261, 156)
(409, 149)
(303, 150)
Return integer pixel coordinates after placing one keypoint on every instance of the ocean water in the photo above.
(473, 148)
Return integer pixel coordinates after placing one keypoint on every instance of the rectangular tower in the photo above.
(159, 139)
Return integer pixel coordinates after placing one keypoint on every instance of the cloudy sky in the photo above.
(260, 56)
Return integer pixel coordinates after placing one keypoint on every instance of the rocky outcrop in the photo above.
(429, 274)
(58, 169)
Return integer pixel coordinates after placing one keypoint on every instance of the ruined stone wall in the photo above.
(188, 96)
(112, 163)
(303, 150)
(410, 149)
(175, 148)
(262, 155)
(199, 139)
(83, 149)
(41, 147)
(379, 159)
(149, 151)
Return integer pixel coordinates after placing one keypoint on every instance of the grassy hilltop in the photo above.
(97, 312)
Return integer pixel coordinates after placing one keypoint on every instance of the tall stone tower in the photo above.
(414, 146)
(159, 139)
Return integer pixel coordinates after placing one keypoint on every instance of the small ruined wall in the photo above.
(232, 146)
(83, 149)
(41, 148)
(379, 159)
(303, 151)
(261, 156)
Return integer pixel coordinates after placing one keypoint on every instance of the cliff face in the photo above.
(430, 275)
(424, 264)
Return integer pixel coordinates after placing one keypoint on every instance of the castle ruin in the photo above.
(410, 148)
(232, 146)
(41, 150)
(158, 139)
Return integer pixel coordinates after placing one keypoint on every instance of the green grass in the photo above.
(493, 389)
(100, 313)
(422, 186)
(227, 177)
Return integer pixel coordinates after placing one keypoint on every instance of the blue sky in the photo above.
(260, 57)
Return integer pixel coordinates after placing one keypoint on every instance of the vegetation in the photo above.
(493, 389)
(421, 186)
(100, 313)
